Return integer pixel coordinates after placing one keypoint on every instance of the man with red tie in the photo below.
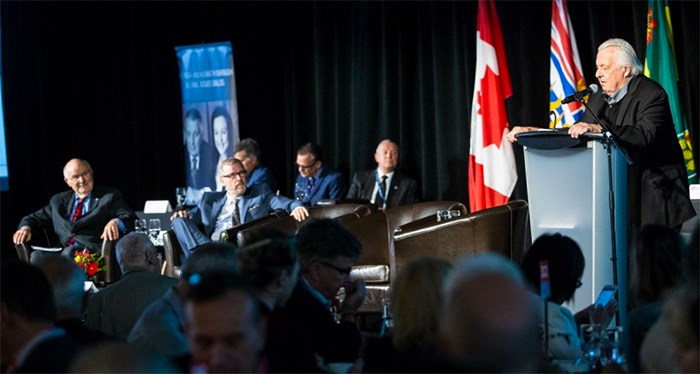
(83, 217)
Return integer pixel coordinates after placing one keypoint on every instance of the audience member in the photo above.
(219, 211)
(222, 133)
(29, 342)
(161, 327)
(304, 336)
(200, 158)
(114, 309)
(671, 344)
(67, 213)
(273, 268)
(565, 263)
(384, 186)
(490, 321)
(67, 281)
(315, 181)
(656, 268)
(119, 357)
(416, 309)
(248, 151)
(224, 328)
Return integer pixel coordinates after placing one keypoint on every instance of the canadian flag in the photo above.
(492, 173)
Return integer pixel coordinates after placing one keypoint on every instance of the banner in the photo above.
(492, 172)
(660, 65)
(209, 114)
(565, 75)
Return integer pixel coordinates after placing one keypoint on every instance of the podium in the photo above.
(569, 192)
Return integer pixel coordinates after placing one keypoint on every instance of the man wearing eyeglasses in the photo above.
(83, 217)
(314, 181)
(219, 211)
(311, 331)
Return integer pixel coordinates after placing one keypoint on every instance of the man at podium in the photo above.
(636, 111)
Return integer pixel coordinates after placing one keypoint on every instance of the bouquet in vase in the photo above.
(91, 263)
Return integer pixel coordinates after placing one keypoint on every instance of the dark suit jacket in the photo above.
(105, 204)
(657, 179)
(402, 190)
(262, 174)
(328, 185)
(303, 329)
(52, 355)
(115, 309)
(205, 175)
(258, 201)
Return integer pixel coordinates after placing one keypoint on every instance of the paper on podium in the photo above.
(47, 249)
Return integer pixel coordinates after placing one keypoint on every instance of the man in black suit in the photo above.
(310, 332)
(83, 217)
(635, 109)
(384, 186)
(200, 162)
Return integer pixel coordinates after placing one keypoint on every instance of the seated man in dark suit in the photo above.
(304, 336)
(115, 309)
(219, 211)
(82, 217)
(316, 182)
(248, 151)
(30, 342)
(384, 186)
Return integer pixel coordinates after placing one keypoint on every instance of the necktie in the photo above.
(382, 192)
(236, 213)
(78, 210)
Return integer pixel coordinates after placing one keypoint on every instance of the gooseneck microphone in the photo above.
(580, 94)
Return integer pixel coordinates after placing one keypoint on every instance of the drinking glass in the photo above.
(154, 228)
(141, 226)
(180, 197)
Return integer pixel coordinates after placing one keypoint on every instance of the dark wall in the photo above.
(99, 80)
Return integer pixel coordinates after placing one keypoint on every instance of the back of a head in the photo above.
(25, 290)
(324, 238)
(490, 321)
(214, 256)
(136, 251)
(67, 280)
(565, 261)
(265, 260)
(214, 284)
(416, 303)
(657, 263)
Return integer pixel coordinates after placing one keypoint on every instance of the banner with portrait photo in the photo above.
(209, 114)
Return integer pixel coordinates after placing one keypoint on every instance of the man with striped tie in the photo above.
(82, 217)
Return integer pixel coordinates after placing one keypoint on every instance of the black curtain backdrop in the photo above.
(99, 80)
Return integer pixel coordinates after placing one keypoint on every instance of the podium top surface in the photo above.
(553, 139)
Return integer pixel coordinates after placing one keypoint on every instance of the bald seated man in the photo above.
(490, 321)
(81, 217)
(384, 186)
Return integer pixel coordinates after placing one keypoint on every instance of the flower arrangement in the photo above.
(91, 263)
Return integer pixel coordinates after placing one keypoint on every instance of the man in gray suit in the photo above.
(219, 211)
(384, 186)
(115, 309)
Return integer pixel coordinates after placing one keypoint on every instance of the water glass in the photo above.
(154, 228)
(180, 197)
(140, 225)
(443, 215)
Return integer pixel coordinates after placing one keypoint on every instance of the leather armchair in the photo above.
(503, 229)
(407, 213)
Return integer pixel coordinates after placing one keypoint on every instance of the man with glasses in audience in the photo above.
(316, 182)
(311, 331)
(219, 211)
(81, 218)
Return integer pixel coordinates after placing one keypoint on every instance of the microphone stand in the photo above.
(608, 141)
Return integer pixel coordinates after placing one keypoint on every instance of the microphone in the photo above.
(580, 94)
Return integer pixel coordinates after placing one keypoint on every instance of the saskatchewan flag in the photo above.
(660, 65)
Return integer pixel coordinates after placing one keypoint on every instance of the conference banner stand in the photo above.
(571, 192)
